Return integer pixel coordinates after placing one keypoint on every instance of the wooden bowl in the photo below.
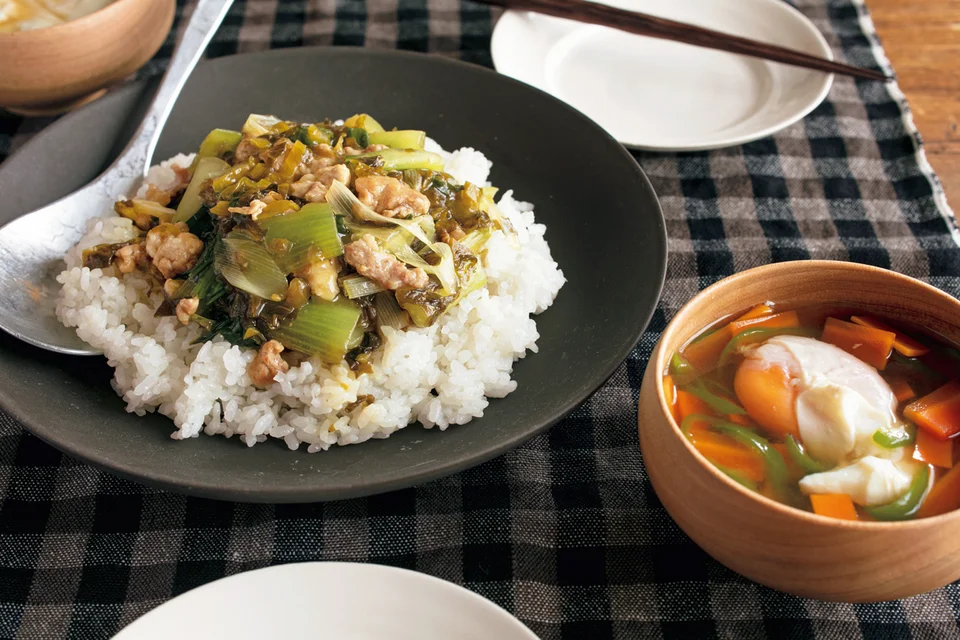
(778, 546)
(49, 71)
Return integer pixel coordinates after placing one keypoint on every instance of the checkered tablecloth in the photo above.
(565, 532)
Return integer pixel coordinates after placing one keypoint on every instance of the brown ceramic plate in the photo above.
(603, 222)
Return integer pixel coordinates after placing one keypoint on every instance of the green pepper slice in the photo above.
(738, 477)
(776, 467)
(681, 369)
(907, 505)
(714, 401)
(895, 439)
(759, 334)
(802, 458)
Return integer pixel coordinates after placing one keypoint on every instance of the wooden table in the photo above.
(922, 40)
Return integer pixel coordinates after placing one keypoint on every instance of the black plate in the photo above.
(604, 226)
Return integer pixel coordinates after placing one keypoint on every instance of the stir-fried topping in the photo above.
(307, 238)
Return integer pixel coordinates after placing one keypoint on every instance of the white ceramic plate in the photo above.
(667, 96)
(337, 600)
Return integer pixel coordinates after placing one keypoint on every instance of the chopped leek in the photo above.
(389, 237)
(321, 329)
(445, 270)
(219, 142)
(363, 121)
(311, 229)
(356, 338)
(357, 286)
(360, 136)
(247, 265)
(291, 161)
(190, 203)
(389, 313)
(144, 213)
(503, 223)
(403, 159)
(260, 125)
(311, 135)
(399, 139)
(476, 240)
(345, 203)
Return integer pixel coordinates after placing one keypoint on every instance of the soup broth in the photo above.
(829, 410)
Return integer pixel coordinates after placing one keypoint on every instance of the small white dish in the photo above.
(341, 600)
(667, 96)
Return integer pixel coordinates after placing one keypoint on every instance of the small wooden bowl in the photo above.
(49, 71)
(775, 545)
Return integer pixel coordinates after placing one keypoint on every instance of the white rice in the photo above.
(440, 375)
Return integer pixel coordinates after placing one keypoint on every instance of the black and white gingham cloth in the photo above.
(565, 532)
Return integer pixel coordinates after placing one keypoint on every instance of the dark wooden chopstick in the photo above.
(646, 25)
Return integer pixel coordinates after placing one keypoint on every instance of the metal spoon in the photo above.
(32, 247)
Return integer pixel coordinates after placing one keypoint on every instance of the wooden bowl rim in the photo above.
(70, 27)
(777, 269)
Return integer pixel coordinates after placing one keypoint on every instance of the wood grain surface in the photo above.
(922, 40)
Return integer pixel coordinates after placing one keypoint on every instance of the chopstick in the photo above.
(646, 25)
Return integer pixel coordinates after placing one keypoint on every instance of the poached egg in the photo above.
(833, 403)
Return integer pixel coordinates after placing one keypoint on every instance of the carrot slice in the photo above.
(774, 321)
(938, 412)
(902, 390)
(689, 404)
(834, 505)
(757, 312)
(670, 395)
(723, 451)
(903, 343)
(704, 352)
(871, 345)
(741, 419)
(933, 450)
(765, 392)
(944, 495)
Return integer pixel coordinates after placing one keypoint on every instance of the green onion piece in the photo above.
(190, 203)
(402, 159)
(907, 505)
(445, 270)
(389, 313)
(477, 239)
(399, 139)
(360, 136)
(310, 230)
(247, 265)
(894, 439)
(356, 338)
(760, 334)
(218, 142)
(476, 280)
(681, 370)
(801, 458)
(320, 329)
(738, 477)
(364, 121)
(136, 209)
(260, 125)
(345, 203)
(716, 402)
(357, 286)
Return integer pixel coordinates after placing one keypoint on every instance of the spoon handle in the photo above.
(134, 160)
